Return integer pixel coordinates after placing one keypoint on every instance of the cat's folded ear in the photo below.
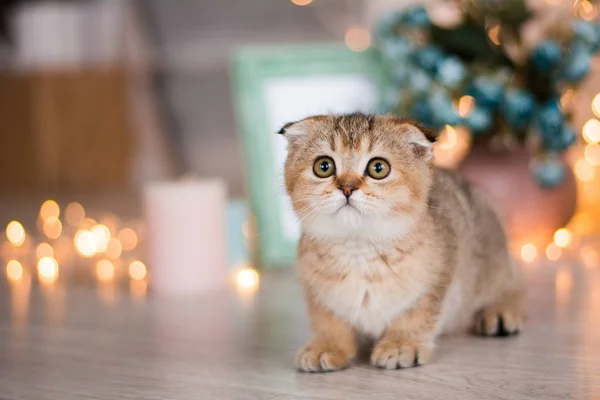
(300, 128)
(420, 138)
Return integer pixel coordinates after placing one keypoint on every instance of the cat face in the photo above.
(358, 175)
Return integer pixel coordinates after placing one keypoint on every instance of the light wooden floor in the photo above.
(80, 342)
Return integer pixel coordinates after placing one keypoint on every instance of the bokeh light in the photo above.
(47, 268)
(589, 257)
(74, 214)
(113, 249)
(88, 223)
(137, 270)
(596, 105)
(584, 171)
(529, 252)
(591, 131)
(128, 239)
(105, 270)
(553, 252)
(301, 2)
(15, 233)
(49, 209)
(592, 154)
(52, 227)
(85, 243)
(563, 237)
(102, 235)
(14, 270)
(247, 278)
(358, 38)
(44, 250)
(465, 105)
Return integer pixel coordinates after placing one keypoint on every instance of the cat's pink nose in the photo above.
(347, 189)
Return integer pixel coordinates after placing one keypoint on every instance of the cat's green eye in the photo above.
(378, 168)
(324, 167)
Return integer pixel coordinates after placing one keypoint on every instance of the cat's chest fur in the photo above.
(366, 285)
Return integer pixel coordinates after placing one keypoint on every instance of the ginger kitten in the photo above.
(392, 247)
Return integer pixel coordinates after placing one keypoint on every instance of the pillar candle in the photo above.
(187, 225)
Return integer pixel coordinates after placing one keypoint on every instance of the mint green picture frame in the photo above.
(252, 68)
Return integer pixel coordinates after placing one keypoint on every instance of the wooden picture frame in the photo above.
(275, 85)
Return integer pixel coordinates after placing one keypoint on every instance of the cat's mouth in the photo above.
(347, 206)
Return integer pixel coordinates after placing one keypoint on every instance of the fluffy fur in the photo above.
(404, 258)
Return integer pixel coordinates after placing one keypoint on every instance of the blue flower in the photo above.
(518, 106)
(451, 72)
(479, 120)
(397, 48)
(550, 120)
(547, 55)
(486, 91)
(550, 172)
(562, 141)
(416, 17)
(577, 65)
(429, 57)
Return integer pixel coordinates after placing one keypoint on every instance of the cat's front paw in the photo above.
(318, 357)
(394, 354)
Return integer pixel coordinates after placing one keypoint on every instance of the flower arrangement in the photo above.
(504, 69)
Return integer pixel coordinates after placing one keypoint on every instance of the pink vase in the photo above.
(532, 213)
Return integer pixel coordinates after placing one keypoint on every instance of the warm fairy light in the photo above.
(113, 249)
(494, 34)
(74, 214)
(44, 250)
(586, 10)
(553, 252)
(591, 131)
(111, 221)
(358, 38)
(247, 278)
(592, 154)
(529, 252)
(584, 171)
(448, 139)
(563, 237)
(102, 235)
(47, 268)
(302, 2)
(465, 105)
(105, 270)
(14, 270)
(589, 257)
(88, 223)
(137, 270)
(85, 243)
(49, 209)
(15, 233)
(596, 105)
(128, 239)
(52, 227)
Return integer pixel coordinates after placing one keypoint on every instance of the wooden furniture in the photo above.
(64, 131)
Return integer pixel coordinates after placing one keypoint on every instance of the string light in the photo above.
(358, 38)
(592, 154)
(128, 239)
(494, 34)
(596, 105)
(301, 2)
(553, 252)
(14, 270)
(102, 235)
(137, 270)
(47, 268)
(114, 249)
(105, 270)
(448, 139)
(52, 227)
(591, 131)
(44, 250)
(529, 252)
(584, 171)
(49, 209)
(247, 278)
(74, 214)
(563, 237)
(15, 233)
(85, 243)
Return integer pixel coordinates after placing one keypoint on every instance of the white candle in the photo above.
(187, 235)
